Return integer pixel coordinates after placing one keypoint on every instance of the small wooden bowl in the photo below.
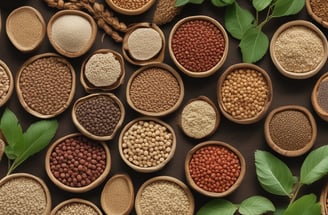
(158, 58)
(108, 194)
(125, 11)
(217, 117)
(26, 29)
(88, 44)
(222, 107)
(170, 70)
(75, 201)
(19, 91)
(153, 168)
(167, 179)
(71, 189)
(89, 87)
(205, 192)
(16, 176)
(314, 98)
(211, 71)
(298, 75)
(314, 16)
(323, 200)
(11, 83)
(278, 149)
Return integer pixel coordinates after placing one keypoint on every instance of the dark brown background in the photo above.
(246, 138)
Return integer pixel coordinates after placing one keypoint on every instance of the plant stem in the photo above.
(295, 193)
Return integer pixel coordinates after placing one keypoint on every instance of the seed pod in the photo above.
(165, 12)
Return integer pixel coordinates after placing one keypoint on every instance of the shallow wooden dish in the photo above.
(301, 75)
(19, 91)
(158, 58)
(86, 132)
(323, 200)
(36, 179)
(87, 46)
(314, 16)
(217, 121)
(170, 70)
(205, 192)
(11, 83)
(314, 99)
(165, 179)
(213, 69)
(105, 197)
(274, 146)
(222, 78)
(125, 11)
(11, 35)
(72, 201)
(89, 87)
(153, 168)
(83, 189)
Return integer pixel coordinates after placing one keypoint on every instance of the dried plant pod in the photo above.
(165, 11)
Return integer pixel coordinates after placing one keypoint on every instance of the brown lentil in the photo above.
(46, 85)
(23, 196)
(99, 115)
(154, 90)
(198, 45)
(77, 208)
(244, 93)
(77, 161)
(147, 143)
(4, 83)
(131, 4)
(290, 129)
(164, 197)
(320, 9)
(322, 95)
(214, 168)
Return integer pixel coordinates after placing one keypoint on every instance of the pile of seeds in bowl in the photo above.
(130, 5)
(76, 208)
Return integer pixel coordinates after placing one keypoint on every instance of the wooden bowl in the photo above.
(72, 189)
(87, 133)
(11, 83)
(78, 201)
(197, 74)
(323, 114)
(168, 180)
(267, 104)
(192, 183)
(194, 132)
(298, 75)
(152, 168)
(282, 151)
(323, 200)
(314, 16)
(157, 58)
(128, 11)
(59, 47)
(37, 180)
(19, 92)
(27, 35)
(118, 190)
(171, 71)
(89, 86)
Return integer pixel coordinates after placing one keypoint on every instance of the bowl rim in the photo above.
(170, 179)
(19, 92)
(75, 200)
(221, 61)
(168, 69)
(153, 168)
(284, 152)
(323, 200)
(125, 11)
(313, 28)
(314, 16)
(83, 189)
(314, 98)
(11, 82)
(267, 78)
(79, 13)
(216, 143)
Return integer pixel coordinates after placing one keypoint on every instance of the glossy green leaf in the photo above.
(219, 3)
(179, 3)
(286, 8)
(315, 165)
(260, 5)
(279, 211)
(306, 205)
(274, 175)
(217, 206)
(256, 205)
(238, 20)
(254, 45)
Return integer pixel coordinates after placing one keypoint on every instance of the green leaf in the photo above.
(179, 3)
(196, 1)
(219, 3)
(279, 211)
(238, 20)
(274, 175)
(315, 165)
(286, 8)
(217, 206)
(254, 45)
(260, 5)
(256, 205)
(306, 205)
